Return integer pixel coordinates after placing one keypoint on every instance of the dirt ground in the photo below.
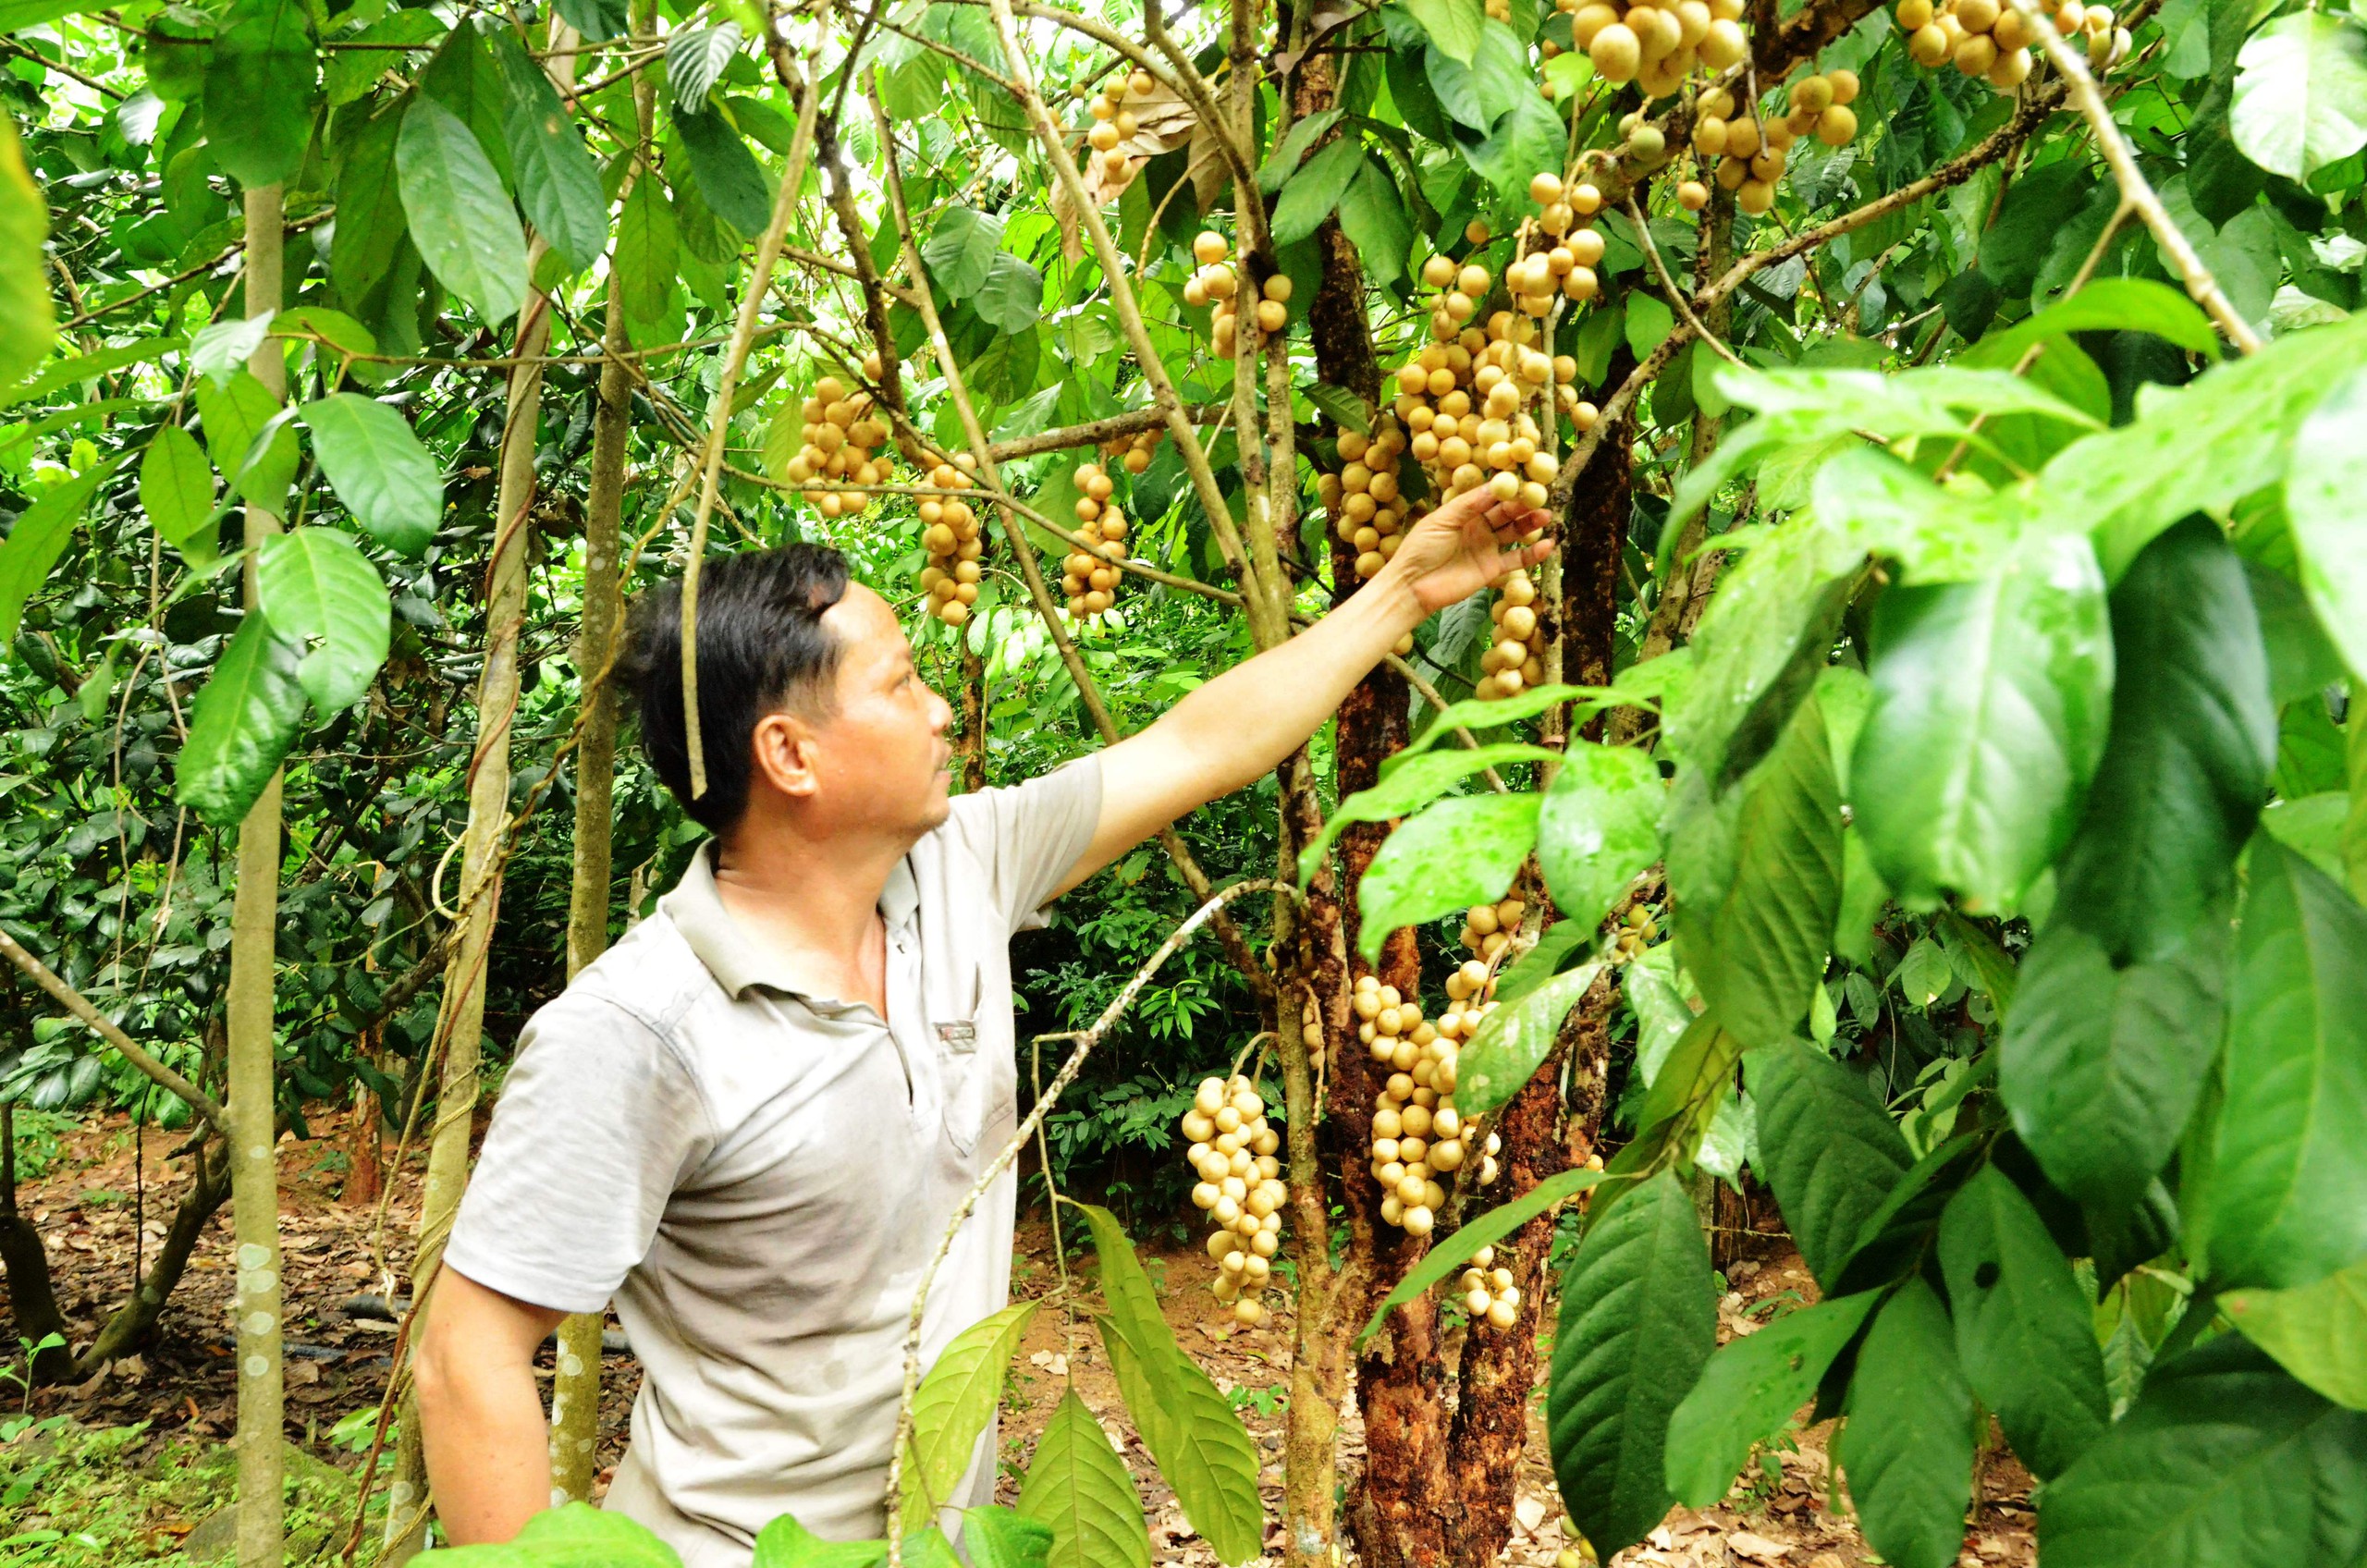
(340, 1350)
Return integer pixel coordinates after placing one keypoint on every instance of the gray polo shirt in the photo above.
(757, 1177)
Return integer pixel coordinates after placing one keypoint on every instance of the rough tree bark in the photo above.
(254, 920)
(24, 1264)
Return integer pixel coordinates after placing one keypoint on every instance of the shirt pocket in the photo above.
(980, 1078)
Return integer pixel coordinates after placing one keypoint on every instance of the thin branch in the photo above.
(1668, 285)
(78, 1004)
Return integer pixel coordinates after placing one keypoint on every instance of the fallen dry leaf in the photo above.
(1759, 1549)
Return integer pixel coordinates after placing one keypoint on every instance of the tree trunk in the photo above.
(24, 1263)
(973, 715)
(123, 1333)
(254, 920)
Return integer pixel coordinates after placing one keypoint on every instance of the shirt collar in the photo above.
(719, 942)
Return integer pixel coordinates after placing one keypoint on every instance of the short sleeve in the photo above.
(598, 1122)
(1029, 836)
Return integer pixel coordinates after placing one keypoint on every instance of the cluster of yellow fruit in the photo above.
(1310, 1032)
(1113, 124)
(1489, 1293)
(1218, 286)
(1752, 153)
(1466, 400)
(1240, 1189)
(2108, 44)
(1135, 451)
(841, 439)
(1657, 46)
(1568, 248)
(1367, 508)
(1090, 577)
(950, 532)
(1514, 661)
(1417, 1133)
(1636, 932)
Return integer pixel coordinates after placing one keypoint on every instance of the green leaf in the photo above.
(460, 218)
(1525, 137)
(1536, 968)
(315, 583)
(1189, 1427)
(648, 254)
(1908, 1444)
(1083, 1491)
(1453, 26)
(1750, 1389)
(1011, 299)
(1417, 780)
(2300, 99)
(581, 1536)
(1373, 216)
(1445, 1257)
(961, 248)
(997, 1537)
(1756, 882)
(177, 487)
(2192, 745)
(28, 318)
(2317, 1332)
(2101, 1064)
(378, 468)
(2224, 1462)
(2025, 1331)
(1302, 134)
(1496, 713)
(728, 176)
(951, 1410)
(1649, 324)
(244, 720)
(349, 74)
(1316, 189)
(785, 1543)
(2037, 207)
(1694, 1079)
(2322, 490)
(37, 538)
(2106, 304)
(558, 184)
(2206, 444)
(262, 78)
(1599, 828)
(1514, 1041)
(1453, 854)
(1990, 702)
(248, 436)
(1828, 1149)
(2286, 1201)
(91, 367)
(696, 60)
(370, 219)
(1638, 1320)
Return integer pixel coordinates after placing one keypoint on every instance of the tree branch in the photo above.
(78, 1004)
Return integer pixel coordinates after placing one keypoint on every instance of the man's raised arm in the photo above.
(480, 1415)
(1244, 722)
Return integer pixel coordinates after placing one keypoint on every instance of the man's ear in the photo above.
(784, 755)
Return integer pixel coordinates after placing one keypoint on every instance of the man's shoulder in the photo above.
(646, 982)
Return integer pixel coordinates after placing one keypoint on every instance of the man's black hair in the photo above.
(762, 646)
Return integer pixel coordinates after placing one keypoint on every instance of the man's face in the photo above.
(881, 759)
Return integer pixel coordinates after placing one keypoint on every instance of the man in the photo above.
(751, 1122)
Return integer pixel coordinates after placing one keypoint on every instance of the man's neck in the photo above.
(812, 902)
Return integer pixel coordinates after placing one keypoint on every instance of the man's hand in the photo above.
(1462, 546)
(1246, 720)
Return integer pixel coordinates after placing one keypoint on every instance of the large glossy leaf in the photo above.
(1001, 1538)
(1011, 299)
(2100, 1066)
(1457, 853)
(1908, 1445)
(1189, 1427)
(2187, 764)
(2025, 1334)
(37, 538)
(460, 218)
(1446, 1256)
(1827, 1147)
(648, 251)
(1315, 190)
(28, 318)
(1513, 1042)
(2106, 304)
(2317, 1332)
(243, 722)
(176, 486)
(1750, 1391)
(1373, 216)
(961, 248)
(2207, 443)
(1638, 1320)
(695, 59)
(1756, 881)
(1416, 781)
(955, 1401)
(2224, 1461)
(262, 80)
(316, 585)
(2285, 1203)
(785, 1543)
(2301, 96)
(558, 184)
(370, 219)
(247, 435)
(1077, 1485)
(378, 468)
(1599, 828)
(581, 1536)
(728, 176)
(2322, 490)
(1453, 26)
(1991, 703)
